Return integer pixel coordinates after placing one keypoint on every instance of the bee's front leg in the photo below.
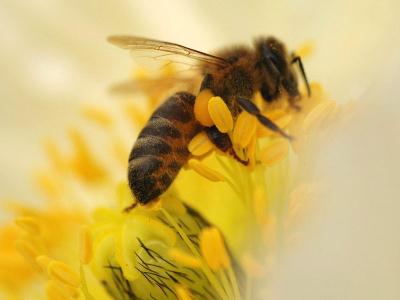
(223, 142)
(252, 109)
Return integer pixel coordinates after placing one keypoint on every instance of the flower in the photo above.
(170, 249)
(82, 182)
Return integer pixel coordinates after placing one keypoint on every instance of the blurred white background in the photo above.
(54, 56)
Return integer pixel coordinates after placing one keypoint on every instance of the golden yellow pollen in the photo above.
(244, 130)
(213, 249)
(43, 262)
(318, 114)
(274, 152)
(200, 144)
(85, 246)
(62, 272)
(183, 258)
(205, 171)
(29, 224)
(201, 108)
(182, 293)
(220, 114)
(97, 115)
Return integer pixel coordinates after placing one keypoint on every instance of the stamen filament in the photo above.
(211, 277)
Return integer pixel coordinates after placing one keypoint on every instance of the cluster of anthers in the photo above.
(213, 236)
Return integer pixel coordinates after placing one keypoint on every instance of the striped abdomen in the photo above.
(161, 148)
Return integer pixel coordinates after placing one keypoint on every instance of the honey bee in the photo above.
(234, 74)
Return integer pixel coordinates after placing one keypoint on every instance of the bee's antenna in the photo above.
(297, 59)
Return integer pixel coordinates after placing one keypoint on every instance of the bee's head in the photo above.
(276, 68)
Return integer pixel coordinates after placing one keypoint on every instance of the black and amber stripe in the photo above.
(161, 148)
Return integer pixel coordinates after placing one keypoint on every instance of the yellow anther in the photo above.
(182, 293)
(97, 115)
(244, 130)
(85, 246)
(220, 114)
(213, 249)
(62, 272)
(305, 49)
(200, 144)
(316, 116)
(43, 262)
(184, 258)
(274, 152)
(83, 163)
(201, 108)
(28, 250)
(58, 291)
(205, 171)
(29, 224)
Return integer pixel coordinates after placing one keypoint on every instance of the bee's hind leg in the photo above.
(252, 109)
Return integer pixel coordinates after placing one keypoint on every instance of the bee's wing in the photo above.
(166, 51)
(156, 85)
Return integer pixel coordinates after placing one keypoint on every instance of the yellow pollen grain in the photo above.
(200, 144)
(43, 262)
(59, 291)
(213, 249)
(85, 246)
(201, 108)
(316, 116)
(205, 171)
(29, 224)
(183, 258)
(220, 114)
(274, 152)
(244, 130)
(182, 293)
(62, 272)
(97, 115)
